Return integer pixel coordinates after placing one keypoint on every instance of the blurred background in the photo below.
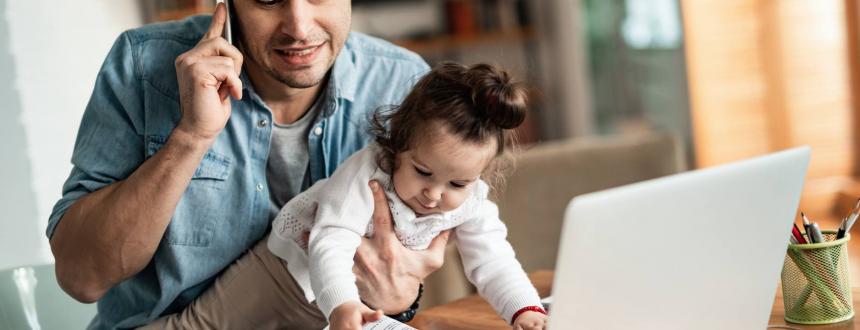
(725, 79)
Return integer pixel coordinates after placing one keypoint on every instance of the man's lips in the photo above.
(298, 56)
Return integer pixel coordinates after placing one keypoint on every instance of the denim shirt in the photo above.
(226, 208)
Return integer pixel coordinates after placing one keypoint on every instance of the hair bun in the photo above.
(497, 97)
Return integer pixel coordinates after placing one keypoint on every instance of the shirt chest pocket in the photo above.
(192, 223)
(213, 168)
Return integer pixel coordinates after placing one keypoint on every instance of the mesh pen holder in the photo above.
(815, 286)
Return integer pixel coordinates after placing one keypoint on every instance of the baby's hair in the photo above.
(478, 104)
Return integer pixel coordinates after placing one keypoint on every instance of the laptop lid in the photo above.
(698, 250)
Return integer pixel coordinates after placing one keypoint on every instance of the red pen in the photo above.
(797, 235)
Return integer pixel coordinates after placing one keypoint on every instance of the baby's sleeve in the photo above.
(293, 221)
(490, 262)
(344, 209)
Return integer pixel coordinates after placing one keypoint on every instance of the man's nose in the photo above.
(297, 19)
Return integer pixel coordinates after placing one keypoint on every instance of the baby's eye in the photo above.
(422, 172)
(457, 185)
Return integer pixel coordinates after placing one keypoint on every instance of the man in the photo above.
(173, 180)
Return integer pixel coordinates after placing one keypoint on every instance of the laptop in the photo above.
(698, 250)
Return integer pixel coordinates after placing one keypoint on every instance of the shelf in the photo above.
(176, 14)
(458, 42)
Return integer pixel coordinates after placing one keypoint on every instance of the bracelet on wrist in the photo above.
(527, 309)
(407, 315)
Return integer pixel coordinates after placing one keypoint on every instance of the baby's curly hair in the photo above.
(476, 104)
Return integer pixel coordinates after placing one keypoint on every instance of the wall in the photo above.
(50, 53)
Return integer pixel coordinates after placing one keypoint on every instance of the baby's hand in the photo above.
(529, 321)
(352, 315)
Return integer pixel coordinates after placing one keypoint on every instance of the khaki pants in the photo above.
(255, 292)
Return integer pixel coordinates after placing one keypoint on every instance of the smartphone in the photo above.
(228, 27)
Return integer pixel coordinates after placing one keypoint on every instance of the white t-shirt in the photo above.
(337, 211)
(287, 167)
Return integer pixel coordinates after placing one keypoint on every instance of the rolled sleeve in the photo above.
(109, 145)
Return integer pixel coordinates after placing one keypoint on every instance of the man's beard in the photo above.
(293, 82)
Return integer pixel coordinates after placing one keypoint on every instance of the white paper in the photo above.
(386, 323)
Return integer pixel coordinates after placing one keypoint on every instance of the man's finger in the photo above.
(434, 256)
(354, 324)
(221, 47)
(232, 52)
(306, 237)
(381, 214)
(437, 245)
(230, 83)
(216, 28)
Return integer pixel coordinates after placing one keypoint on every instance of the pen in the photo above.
(841, 232)
(851, 219)
(805, 223)
(797, 235)
(848, 221)
(815, 233)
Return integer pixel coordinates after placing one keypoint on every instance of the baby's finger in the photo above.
(371, 315)
(354, 324)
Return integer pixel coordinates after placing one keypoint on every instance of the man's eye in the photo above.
(422, 173)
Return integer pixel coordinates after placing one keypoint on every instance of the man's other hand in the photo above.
(388, 274)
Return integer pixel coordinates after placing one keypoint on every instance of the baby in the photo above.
(436, 157)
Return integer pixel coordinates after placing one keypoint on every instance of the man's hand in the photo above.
(388, 274)
(352, 315)
(207, 74)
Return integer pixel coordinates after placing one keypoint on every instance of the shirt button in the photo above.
(263, 123)
(259, 187)
(317, 130)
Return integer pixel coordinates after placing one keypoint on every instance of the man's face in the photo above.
(293, 41)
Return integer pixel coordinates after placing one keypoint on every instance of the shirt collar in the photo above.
(343, 74)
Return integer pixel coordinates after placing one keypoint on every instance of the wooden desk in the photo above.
(473, 313)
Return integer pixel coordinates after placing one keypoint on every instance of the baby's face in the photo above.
(437, 176)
